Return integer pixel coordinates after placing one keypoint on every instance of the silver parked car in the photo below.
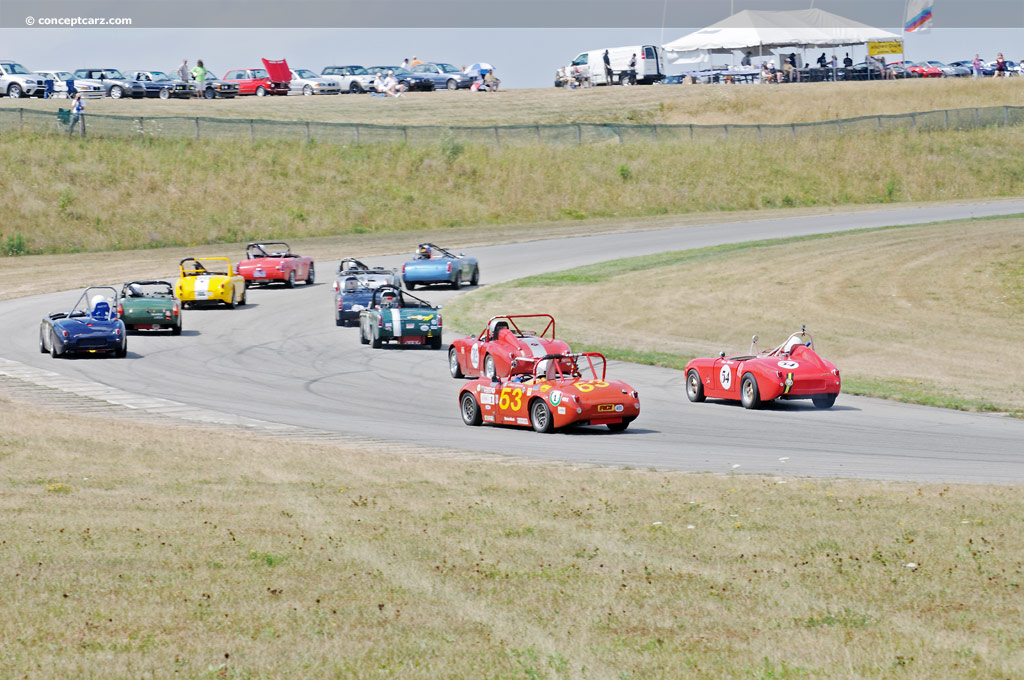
(115, 85)
(16, 81)
(308, 83)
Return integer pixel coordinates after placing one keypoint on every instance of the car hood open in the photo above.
(278, 70)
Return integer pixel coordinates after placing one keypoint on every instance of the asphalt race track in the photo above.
(281, 359)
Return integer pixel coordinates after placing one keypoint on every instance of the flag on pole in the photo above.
(919, 16)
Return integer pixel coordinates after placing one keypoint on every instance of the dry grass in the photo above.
(96, 194)
(934, 313)
(140, 550)
(673, 104)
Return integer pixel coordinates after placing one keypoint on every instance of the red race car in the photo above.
(274, 262)
(793, 370)
(502, 341)
(274, 78)
(548, 398)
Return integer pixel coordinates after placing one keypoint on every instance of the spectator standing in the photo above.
(822, 61)
(183, 71)
(415, 61)
(847, 62)
(1000, 67)
(976, 66)
(77, 112)
(745, 61)
(834, 65)
(405, 64)
(607, 68)
(632, 71)
(199, 73)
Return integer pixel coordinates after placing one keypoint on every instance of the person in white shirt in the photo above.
(391, 86)
(77, 111)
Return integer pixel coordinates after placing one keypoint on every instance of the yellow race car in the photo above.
(209, 279)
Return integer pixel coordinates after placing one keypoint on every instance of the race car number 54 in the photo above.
(511, 398)
(588, 386)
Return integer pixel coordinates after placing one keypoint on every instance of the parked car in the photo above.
(159, 84)
(354, 79)
(558, 390)
(434, 264)
(16, 81)
(793, 370)
(113, 82)
(444, 76)
(274, 262)
(949, 70)
(396, 316)
(149, 305)
(503, 340)
(209, 279)
(215, 88)
(353, 289)
(969, 65)
(411, 81)
(92, 326)
(273, 79)
(308, 83)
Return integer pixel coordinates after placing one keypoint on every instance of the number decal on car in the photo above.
(511, 398)
(589, 386)
(725, 376)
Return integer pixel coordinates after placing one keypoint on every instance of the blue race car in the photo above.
(354, 287)
(434, 264)
(92, 326)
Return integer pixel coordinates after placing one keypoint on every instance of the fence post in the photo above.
(913, 120)
(82, 119)
(839, 126)
(579, 134)
(538, 133)
(976, 117)
(197, 127)
(1006, 116)
(497, 139)
(792, 127)
(655, 131)
(759, 131)
(691, 130)
(252, 130)
(21, 119)
(405, 130)
(726, 128)
(879, 123)
(142, 126)
(357, 134)
(947, 118)
(308, 137)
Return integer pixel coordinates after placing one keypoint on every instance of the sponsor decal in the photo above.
(789, 383)
(422, 317)
(561, 410)
(555, 398)
(489, 418)
(618, 408)
(487, 399)
(474, 355)
(544, 388)
(523, 421)
(424, 327)
(605, 408)
(410, 325)
(725, 376)
(788, 365)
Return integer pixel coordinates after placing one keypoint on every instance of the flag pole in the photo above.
(903, 33)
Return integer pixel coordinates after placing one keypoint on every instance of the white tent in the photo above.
(762, 31)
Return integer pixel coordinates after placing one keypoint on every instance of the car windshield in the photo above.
(113, 74)
(205, 265)
(158, 75)
(358, 71)
(12, 67)
(259, 73)
(305, 73)
(448, 68)
(424, 68)
(161, 289)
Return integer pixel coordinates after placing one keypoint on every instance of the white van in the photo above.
(589, 67)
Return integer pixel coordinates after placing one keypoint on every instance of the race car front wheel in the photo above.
(470, 410)
(489, 370)
(291, 279)
(453, 363)
(540, 416)
(750, 396)
(694, 387)
(311, 276)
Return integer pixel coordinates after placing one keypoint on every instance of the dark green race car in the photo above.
(397, 316)
(149, 305)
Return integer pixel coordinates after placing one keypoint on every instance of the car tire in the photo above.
(231, 305)
(176, 330)
(470, 409)
(165, 93)
(409, 285)
(457, 281)
(824, 401)
(14, 91)
(311, 275)
(694, 387)
(453, 363)
(307, 90)
(241, 303)
(53, 347)
(475, 280)
(452, 85)
(375, 342)
(540, 416)
(435, 342)
(42, 342)
(362, 337)
(355, 88)
(116, 92)
(291, 279)
(489, 371)
(619, 427)
(208, 93)
(750, 396)
(261, 91)
(122, 351)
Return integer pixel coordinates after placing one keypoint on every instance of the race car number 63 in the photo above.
(513, 398)
(588, 386)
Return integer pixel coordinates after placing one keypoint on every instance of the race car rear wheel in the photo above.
(694, 387)
(453, 363)
(750, 396)
(244, 294)
(122, 351)
(375, 342)
(435, 342)
(363, 340)
(470, 410)
(176, 330)
(619, 427)
(540, 416)
(53, 347)
(231, 305)
(409, 285)
(42, 342)
(338, 321)
(824, 401)
(311, 276)
(291, 279)
(489, 371)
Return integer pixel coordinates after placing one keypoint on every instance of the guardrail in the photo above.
(205, 128)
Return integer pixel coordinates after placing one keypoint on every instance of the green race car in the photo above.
(397, 316)
(149, 305)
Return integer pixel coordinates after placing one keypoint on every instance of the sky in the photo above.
(522, 56)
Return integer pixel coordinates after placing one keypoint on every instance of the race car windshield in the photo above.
(150, 290)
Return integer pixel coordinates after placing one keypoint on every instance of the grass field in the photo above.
(146, 550)
(95, 194)
(932, 314)
(672, 104)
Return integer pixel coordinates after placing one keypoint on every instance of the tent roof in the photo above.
(755, 28)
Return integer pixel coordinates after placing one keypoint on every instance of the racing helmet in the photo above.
(496, 326)
(424, 251)
(793, 342)
(134, 290)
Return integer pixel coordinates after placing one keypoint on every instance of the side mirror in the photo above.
(721, 355)
(440, 307)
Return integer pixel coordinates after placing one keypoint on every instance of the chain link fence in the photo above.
(203, 128)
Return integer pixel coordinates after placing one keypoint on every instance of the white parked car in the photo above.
(308, 83)
(354, 79)
(16, 81)
(87, 86)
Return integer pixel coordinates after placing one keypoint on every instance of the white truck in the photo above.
(588, 68)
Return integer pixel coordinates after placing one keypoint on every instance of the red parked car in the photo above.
(922, 69)
(793, 370)
(273, 79)
(274, 262)
(491, 353)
